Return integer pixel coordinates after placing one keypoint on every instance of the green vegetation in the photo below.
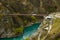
(51, 8)
(34, 18)
(19, 30)
(57, 38)
(27, 38)
(55, 30)
(1, 16)
(56, 26)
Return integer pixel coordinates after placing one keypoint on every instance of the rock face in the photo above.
(53, 25)
(55, 29)
(14, 24)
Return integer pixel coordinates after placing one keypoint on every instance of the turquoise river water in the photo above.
(28, 31)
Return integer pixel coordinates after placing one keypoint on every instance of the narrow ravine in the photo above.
(28, 31)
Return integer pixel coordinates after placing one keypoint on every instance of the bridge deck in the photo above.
(25, 14)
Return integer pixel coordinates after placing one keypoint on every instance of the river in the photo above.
(28, 31)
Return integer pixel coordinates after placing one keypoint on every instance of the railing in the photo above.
(25, 14)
